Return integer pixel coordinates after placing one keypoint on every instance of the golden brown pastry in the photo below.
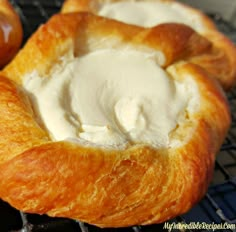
(220, 62)
(107, 124)
(10, 32)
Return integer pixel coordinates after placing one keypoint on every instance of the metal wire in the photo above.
(219, 203)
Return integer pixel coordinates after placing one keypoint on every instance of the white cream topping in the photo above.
(150, 13)
(111, 98)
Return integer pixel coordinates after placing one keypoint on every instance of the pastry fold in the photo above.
(220, 61)
(107, 187)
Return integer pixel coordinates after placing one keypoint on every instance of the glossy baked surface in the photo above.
(11, 33)
(106, 187)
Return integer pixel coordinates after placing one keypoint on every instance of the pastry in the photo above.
(10, 32)
(221, 62)
(108, 123)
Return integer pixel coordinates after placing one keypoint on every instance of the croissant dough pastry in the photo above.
(107, 124)
(220, 62)
(11, 32)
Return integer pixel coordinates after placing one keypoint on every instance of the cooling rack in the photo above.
(219, 204)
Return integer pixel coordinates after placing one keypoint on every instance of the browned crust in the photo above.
(105, 187)
(19, 130)
(80, 35)
(219, 62)
(9, 43)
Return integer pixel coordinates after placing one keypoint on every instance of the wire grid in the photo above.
(219, 204)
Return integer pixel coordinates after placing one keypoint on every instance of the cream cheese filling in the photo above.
(111, 98)
(150, 13)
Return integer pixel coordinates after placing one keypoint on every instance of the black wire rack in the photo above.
(219, 204)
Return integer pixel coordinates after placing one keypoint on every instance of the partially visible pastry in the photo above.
(10, 32)
(107, 123)
(220, 61)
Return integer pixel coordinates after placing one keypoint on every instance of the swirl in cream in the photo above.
(110, 98)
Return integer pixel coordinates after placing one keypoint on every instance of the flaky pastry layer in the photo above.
(11, 32)
(220, 61)
(101, 186)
